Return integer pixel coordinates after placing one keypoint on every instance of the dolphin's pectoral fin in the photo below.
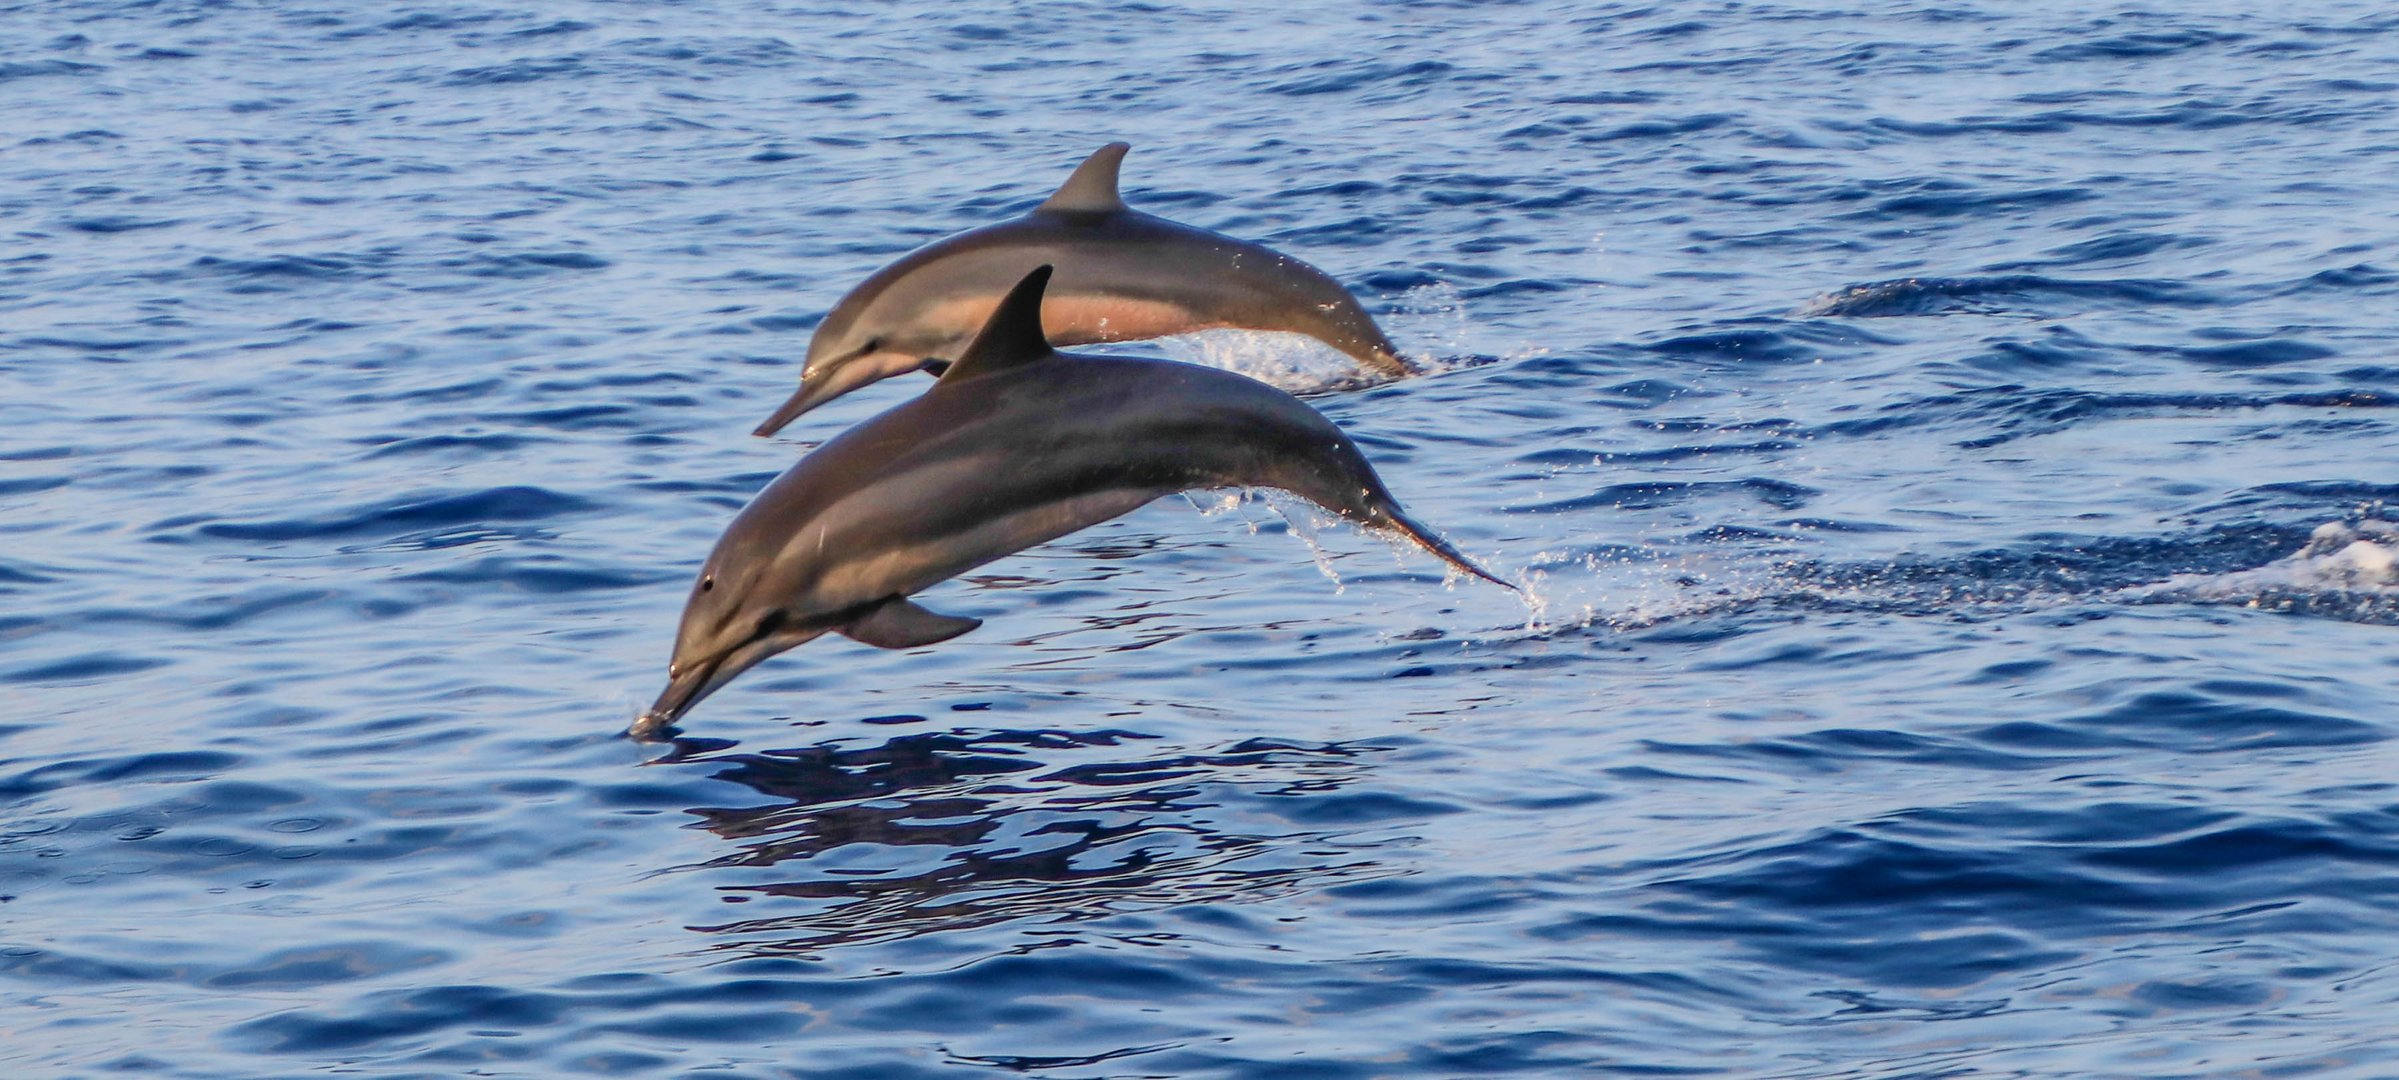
(899, 623)
(934, 366)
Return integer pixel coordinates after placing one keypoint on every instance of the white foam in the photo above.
(2345, 556)
(1429, 324)
(1291, 362)
(1634, 591)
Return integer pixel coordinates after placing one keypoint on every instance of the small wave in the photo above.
(2138, 46)
(32, 69)
(521, 70)
(1350, 75)
(2018, 412)
(2004, 294)
(411, 516)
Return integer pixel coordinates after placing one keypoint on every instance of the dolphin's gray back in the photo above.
(1125, 254)
(974, 471)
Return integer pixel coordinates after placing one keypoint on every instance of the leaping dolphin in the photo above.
(1014, 446)
(1122, 275)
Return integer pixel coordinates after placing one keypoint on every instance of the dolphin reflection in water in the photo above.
(1122, 275)
(1014, 446)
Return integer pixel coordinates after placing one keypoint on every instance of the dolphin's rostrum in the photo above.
(1122, 275)
(1016, 445)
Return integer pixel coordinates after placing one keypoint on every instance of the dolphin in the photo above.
(1015, 445)
(1122, 275)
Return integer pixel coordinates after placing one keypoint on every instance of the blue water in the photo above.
(1950, 448)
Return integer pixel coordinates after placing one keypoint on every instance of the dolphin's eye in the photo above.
(707, 584)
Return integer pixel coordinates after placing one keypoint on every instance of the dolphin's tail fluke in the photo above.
(1396, 521)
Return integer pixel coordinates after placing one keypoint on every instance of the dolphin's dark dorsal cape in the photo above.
(1092, 189)
(1013, 337)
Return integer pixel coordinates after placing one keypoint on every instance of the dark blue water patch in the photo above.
(2028, 293)
(404, 1014)
(1951, 198)
(326, 964)
(27, 485)
(159, 767)
(275, 274)
(441, 539)
(87, 668)
(2254, 846)
(1341, 189)
(2246, 355)
(700, 57)
(521, 70)
(731, 490)
(580, 418)
(117, 223)
(539, 574)
(397, 516)
(2363, 277)
(1662, 128)
(1652, 495)
(2341, 495)
(556, 28)
(1769, 341)
(467, 446)
(2186, 721)
(2054, 564)
(788, 324)
(1352, 232)
(100, 348)
(1837, 750)
(14, 70)
(526, 264)
(1854, 943)
(40, 966)
(198, 615)
(2017, 412)
(2140, 45)
(2196, 115)
(1338, 76)
(1029, 1065)
(19, 574)
(2122, 247)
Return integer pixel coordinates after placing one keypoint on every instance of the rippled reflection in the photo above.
(935, 832)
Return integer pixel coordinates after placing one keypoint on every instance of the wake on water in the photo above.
(2346, 569)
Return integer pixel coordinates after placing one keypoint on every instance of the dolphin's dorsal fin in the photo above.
(1092, 189)
(1011, 337)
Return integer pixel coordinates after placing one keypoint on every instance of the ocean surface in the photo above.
(1951, 450)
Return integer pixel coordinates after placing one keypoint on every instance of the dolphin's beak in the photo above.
(684, 689)
(686, 686)
(812, 393)
(831, 378)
